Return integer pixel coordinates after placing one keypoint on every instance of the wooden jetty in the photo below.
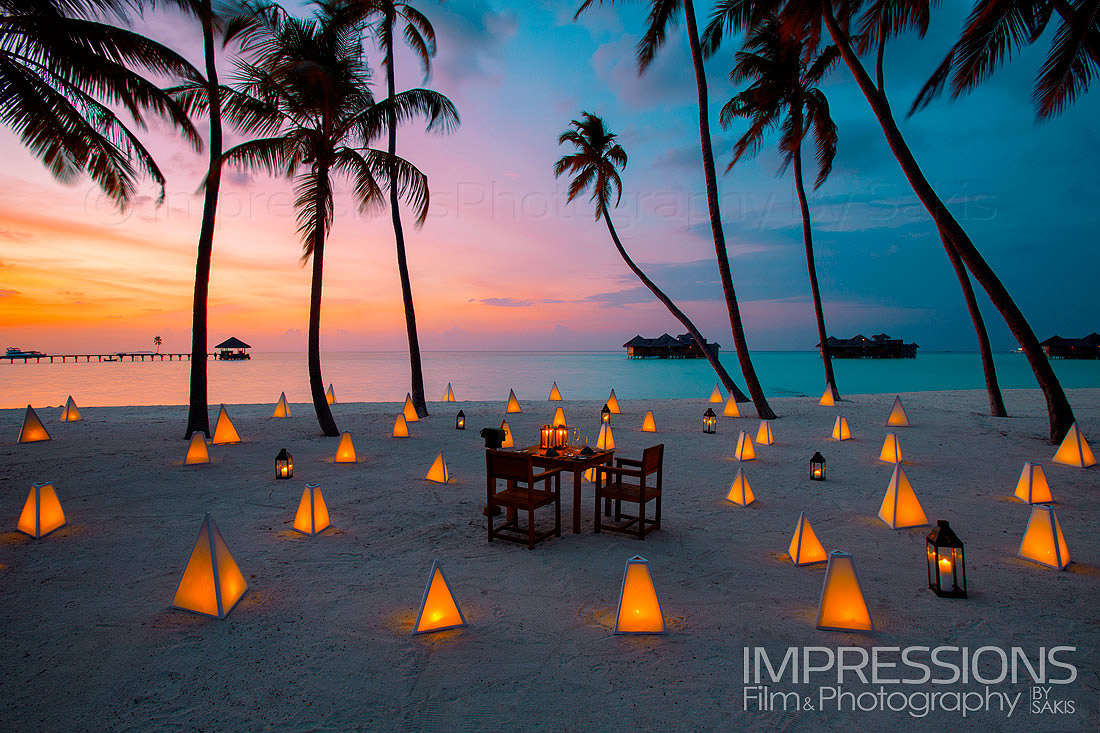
(117, 356)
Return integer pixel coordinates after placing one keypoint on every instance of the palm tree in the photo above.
(808, 18)
(596, 165)
(782, 93)
(306, 90)
(662, 16)
(157, 341)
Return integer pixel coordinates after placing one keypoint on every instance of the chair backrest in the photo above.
(508, 465)
(652, 458)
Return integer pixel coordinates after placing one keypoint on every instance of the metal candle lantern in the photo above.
(460, 420)
(605, 415)
(284, 464)
(946, 567)
(817, 467)
(561, 436)
(546, 436)
(710, 421)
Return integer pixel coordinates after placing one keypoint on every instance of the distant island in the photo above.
(879, 346)
(667, 347)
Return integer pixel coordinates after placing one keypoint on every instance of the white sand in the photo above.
(321, 640)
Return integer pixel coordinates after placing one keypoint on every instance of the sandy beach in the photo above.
(322, 641)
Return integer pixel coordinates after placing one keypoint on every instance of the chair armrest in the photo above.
(627, 462)
(618, 471)
(546, 474)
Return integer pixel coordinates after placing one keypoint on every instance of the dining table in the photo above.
(570, 458)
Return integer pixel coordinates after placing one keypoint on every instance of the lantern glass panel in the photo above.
(545, 437)
(710, 421)
(561, 436)
(605, 415)
(460, 420)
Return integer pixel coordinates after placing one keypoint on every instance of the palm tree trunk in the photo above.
(1059, 412)
(807, 236)
(198, 416)
(763, 410)
(316, 383)
(417, 372)
(720, 370)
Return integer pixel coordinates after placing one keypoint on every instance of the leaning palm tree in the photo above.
(596, 165)
(782, 93)
(305, 90)
(663, 14)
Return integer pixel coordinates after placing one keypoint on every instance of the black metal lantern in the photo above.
(284, 464)
(710, 421)
(546, 437)
(460, 420)
(946, 565)
(605, 415)
(561, 436)
(817, 467)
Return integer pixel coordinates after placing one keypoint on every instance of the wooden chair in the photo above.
(610, 485)
(520, 494)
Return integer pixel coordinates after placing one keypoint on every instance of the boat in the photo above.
(14, 352)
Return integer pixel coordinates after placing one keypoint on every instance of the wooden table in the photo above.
(571, 460)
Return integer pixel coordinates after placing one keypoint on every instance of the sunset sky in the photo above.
(503, 263)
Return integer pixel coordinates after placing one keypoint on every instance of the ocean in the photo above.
(488, 375)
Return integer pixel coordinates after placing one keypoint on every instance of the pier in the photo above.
(117, 357)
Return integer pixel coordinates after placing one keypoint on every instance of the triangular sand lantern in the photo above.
(513, 403)
(842, 606)
(508, 442)
(731, 409)
(282, 409)
(438, 610)
(409, 410)
(891, 449)
(639, 609)
(438, 471)
(559, 418)
(1032, 488)
(312, 517)
(400, 427)
(1074, 451)
(764, 434)
(42, 512)
(716, 395)
(613, 403)
(897, 418)
(900, 508)
(744, 450)
(197, 452)
(555, 393)
(841, 431)
(648, 424)
(606, 439)
(345, 451)
(224, 431)
(827, 398)
(740, 492)
(32, 430)
(1043, 540)
(805, 547)
(330, 396)
(71, 413)
(212, 583)
(449, 395)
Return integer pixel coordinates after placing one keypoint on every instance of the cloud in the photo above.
(8, 293)
(513, 302)
(12, 235)
(471, 36)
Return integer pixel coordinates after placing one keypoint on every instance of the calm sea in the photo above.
(384, 377)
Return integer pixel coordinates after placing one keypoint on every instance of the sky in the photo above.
(503, 262)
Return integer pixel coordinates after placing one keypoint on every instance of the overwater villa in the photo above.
(879, 346)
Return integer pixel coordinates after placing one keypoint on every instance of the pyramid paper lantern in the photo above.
(606, 439)
(449, 395)
(197, 451)
(224, 431)
(32, 430)
(1043, 540)
(212, 583)
(740, 492)
(71, 413)
(409, 410)
(731, 409)
(555, 393)
(42, 512)
(716, 395)
(513, 403)
(744, 450)
(897, 418)
(842, 606)
(764, 434)
(559, 418)
(891, 449)
(805, 547)
(827, 398)
(282, 409)
(312, 517)
(400, 427)
(648, 424)
(330, 396)
(840, 429)
(639, 609)
(438, 610)
(438, 471)
(507, 443)
(613, 403)
(1074, 451)
(345, 451)
(900, 508)
(1032, 488)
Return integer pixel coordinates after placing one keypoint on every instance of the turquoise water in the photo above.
(384, 377)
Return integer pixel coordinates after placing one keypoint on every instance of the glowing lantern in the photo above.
(1032, 488)
(1043, 540)
(710, 421)
(197, 451)
(639, 608)
(740, 492)
(891, 449)
(282, 409)
(32, 430)
(438, 610)
(224, 431)
(900, 508)
(561, 436)
(605, 415)
(513, 403)
(897, 418)
(42, 512)
(613, 403)
(716, 395)
(284, 464)
(438, 471)
(731, 409)
(546, 437)
(605, 440)
(409, 410)
(1074, 451)
(449, 395)
(330, 396)
(345, 451)
(744, 450)
(555, 393)
(559, 418)
(71, 413)
(842, 607)
(648, 424)
(764, 434)
(946, 568)
(460, 420)
(312, 516)
(805, 548)
(400, 427)
(827, 398)
(840, 429)
(817, 467)
(212, 583)
(507, 443)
